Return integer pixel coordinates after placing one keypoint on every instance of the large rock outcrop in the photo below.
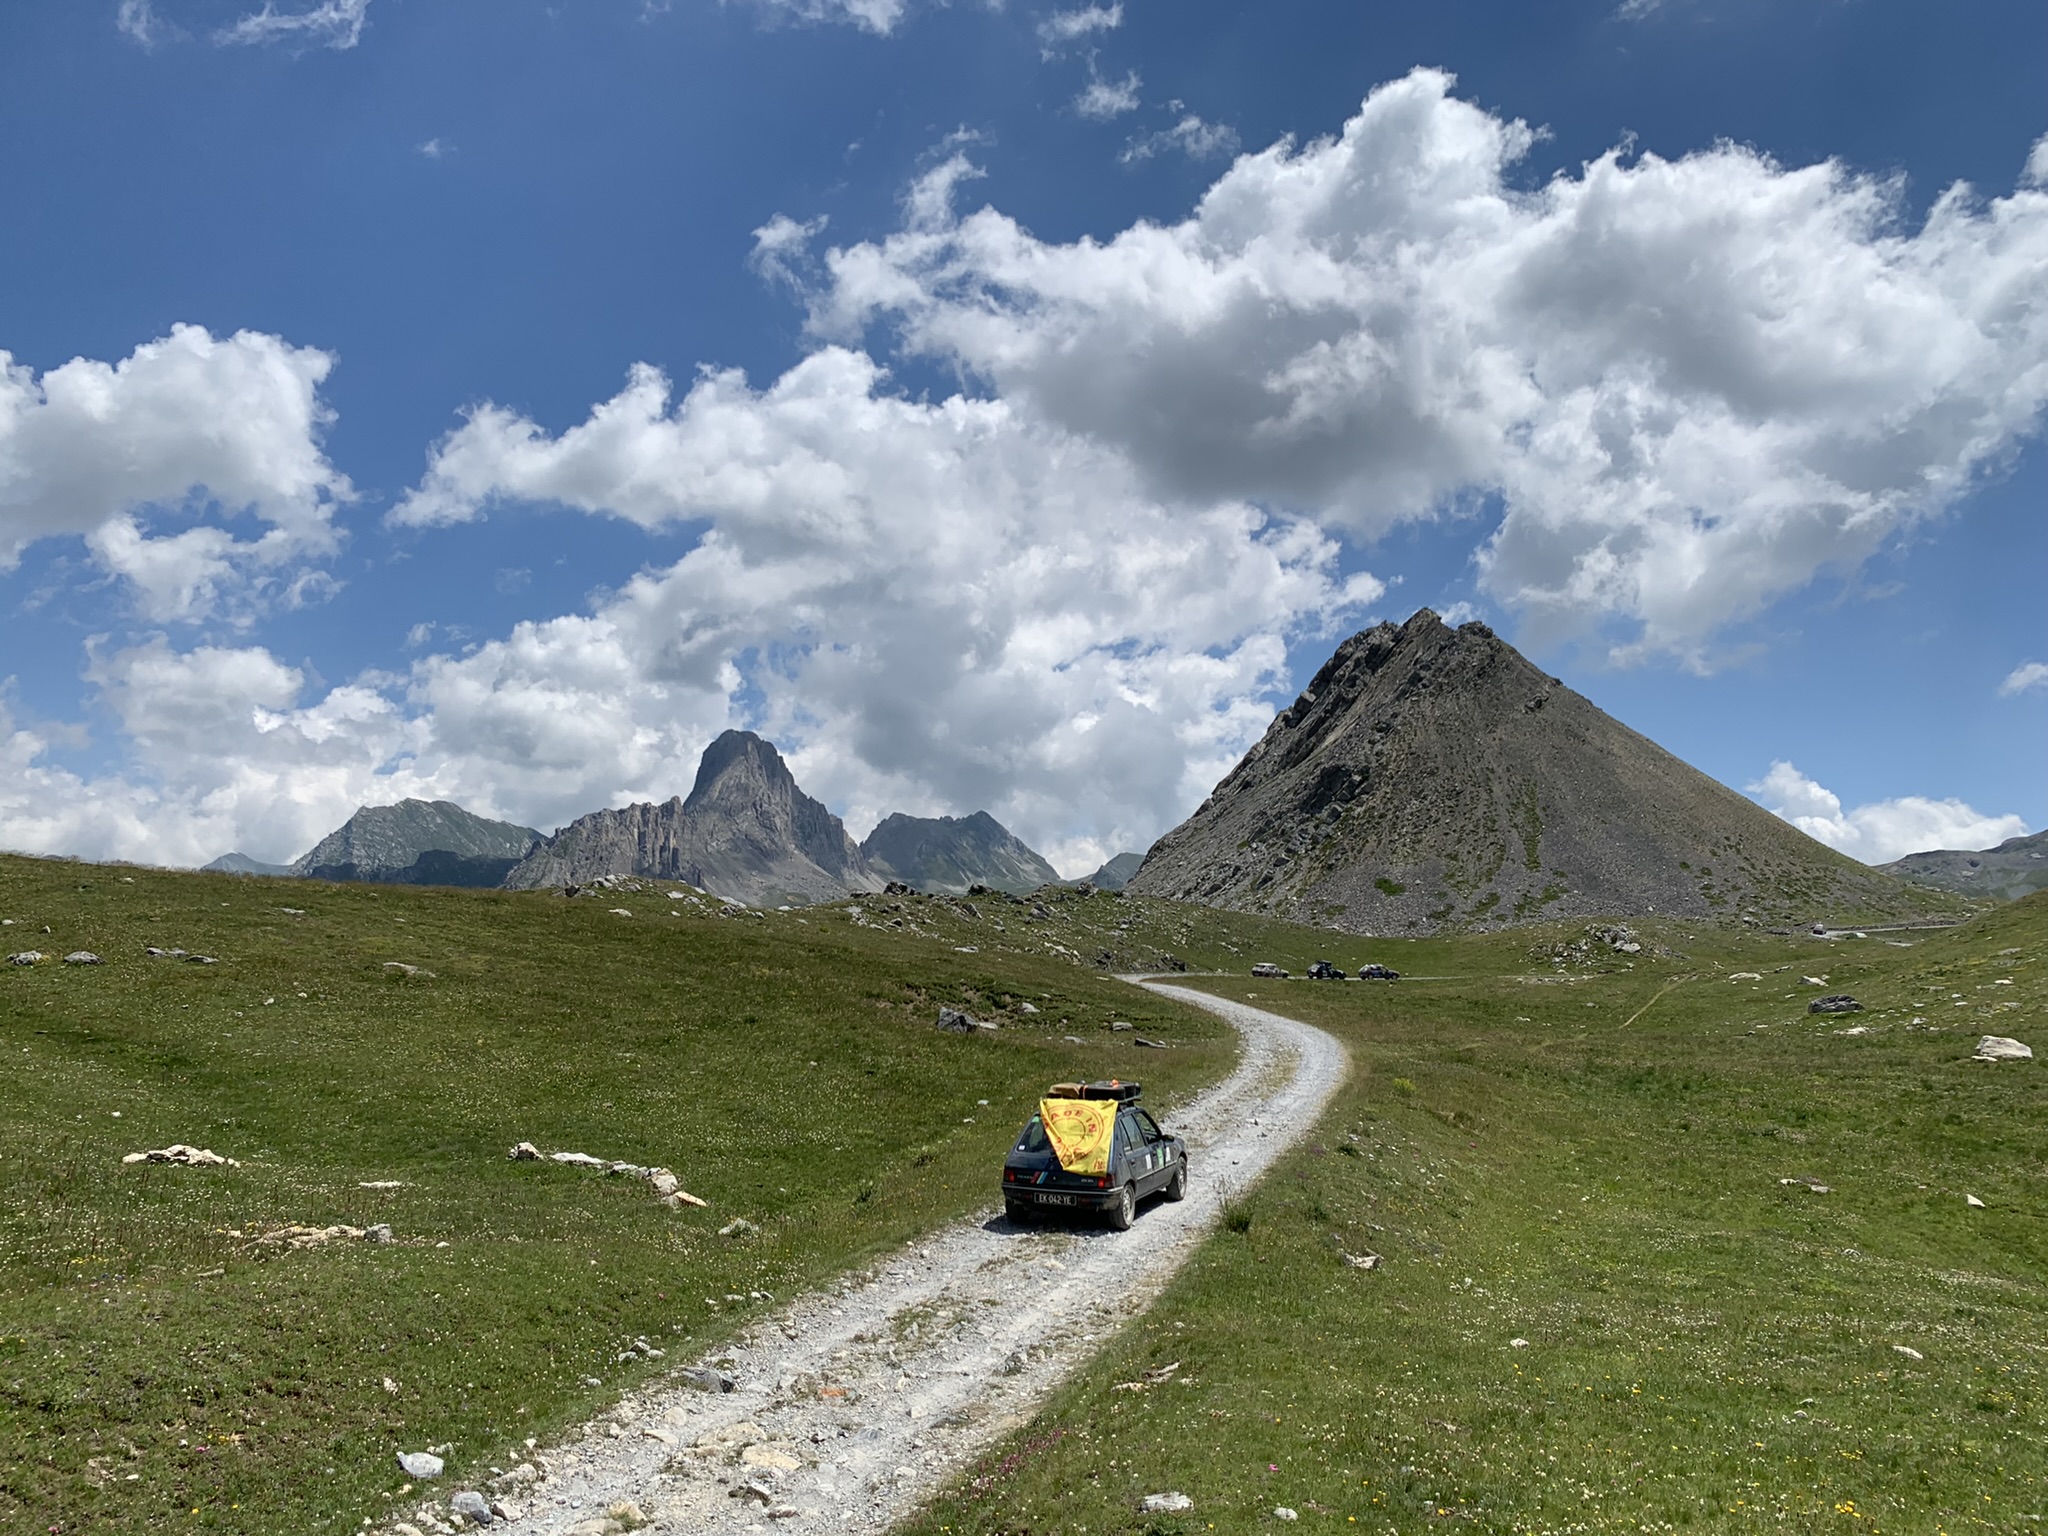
(418, 842)
(2016, 867)
(747, 832)
(1431, 778)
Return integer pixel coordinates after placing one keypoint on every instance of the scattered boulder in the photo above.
(1027, 1007)
(1282, 1512)
(739, 1226)
(163, 954)
(1908, 1351)
(1364, 1260)
(1973, 1202)
(578, 1159)
(1834, 1002)
(2003, 1048)
(81, 957)
(1165, 1503)
(1811, 1183)
(201, 960)
(178, 1152)
(953, 1022)
(380, 1233)
(424, 1465)
(472, 1506)
(524, 1152)
(26, 957)
(1745, 976)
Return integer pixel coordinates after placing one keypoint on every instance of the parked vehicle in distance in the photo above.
(1378, 973)
(1266, 970)
(1141, 1160)
(1322, 970)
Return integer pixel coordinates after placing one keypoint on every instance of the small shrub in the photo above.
(1237, 1216)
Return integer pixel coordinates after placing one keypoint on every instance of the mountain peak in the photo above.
(747, 832)
(1431, 777)
(744, 755)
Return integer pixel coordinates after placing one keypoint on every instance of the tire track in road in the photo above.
(856, 1404)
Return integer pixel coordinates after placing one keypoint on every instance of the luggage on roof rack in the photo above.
(1114, 1088)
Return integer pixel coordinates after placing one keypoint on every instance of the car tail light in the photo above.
(1103, 1182)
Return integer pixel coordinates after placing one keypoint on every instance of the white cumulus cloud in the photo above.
(134, 456)
(1104, 99)
(1191, 136)
(940, 606)
(878, 16)
(2031, 674)
(330, 24)
(1695, 384)
(1064, 27)
(1883, 830)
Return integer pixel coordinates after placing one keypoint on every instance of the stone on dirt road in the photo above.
(705, 1379)
(472, 1505)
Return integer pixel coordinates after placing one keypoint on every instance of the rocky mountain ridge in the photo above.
(418, 842)
(1431, 779)
(950, 855)
(2016, 867)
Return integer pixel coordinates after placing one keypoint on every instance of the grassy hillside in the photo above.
(164, 1368)
(1589, 1152)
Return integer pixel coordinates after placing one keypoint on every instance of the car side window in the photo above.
(1127, 1135)
(1148, 1128)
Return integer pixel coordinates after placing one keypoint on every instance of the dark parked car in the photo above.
(1143, 1160)
(1378, 973)
(1322, 970)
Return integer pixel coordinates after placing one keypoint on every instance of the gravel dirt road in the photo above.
(855, 1404)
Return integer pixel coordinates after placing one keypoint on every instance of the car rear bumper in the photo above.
(1037, 1198)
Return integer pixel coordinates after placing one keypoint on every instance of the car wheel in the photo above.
(1125, 1211)
(1177, 1186)
(1018, 1212)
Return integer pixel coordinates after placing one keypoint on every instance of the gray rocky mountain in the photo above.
(242, 864)
(747, 832)
(1432, 778)
(418, 842)
(2016, 867)
(1116, 874)
(948, 855)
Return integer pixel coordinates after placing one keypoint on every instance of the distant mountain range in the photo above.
(2016, 867)
(1431, 778)
(949, 856)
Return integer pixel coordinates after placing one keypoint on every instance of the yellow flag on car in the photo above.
(1080, 1132)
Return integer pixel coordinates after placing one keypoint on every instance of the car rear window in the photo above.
(1033, 1139)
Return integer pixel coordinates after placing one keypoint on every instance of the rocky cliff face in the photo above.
(946, 855)
(2016, 867)
(747, 832)
(418, 842)
(1431, 778)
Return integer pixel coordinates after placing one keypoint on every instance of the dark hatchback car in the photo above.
(1322, 970)
(1143, 1161)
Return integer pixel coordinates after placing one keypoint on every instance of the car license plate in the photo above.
(1059, 1200)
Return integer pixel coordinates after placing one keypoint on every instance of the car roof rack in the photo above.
(1113, 1088)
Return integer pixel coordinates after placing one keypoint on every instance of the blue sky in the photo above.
(1003, 406)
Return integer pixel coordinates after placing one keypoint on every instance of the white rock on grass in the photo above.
(81, 957)
(1973, 1202)
(1282, 1512)
(1165, 1503)
(178, 1152)
(424, 1465)
(1909, 1351)
(2002, 1048)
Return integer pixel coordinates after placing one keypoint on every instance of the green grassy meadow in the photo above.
(163, 1370)
(1589, 1158)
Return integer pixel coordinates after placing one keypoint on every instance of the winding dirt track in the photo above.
(855, 1404)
